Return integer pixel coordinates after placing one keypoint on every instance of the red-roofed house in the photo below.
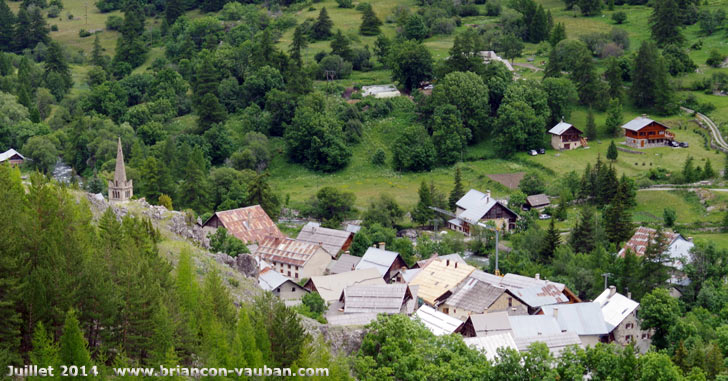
(293, 258)
(678, 248)
(250, 224)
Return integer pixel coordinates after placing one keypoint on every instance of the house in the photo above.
(477, 208)
(490, 56)
(406, 275)
(120, 189)
(477, 296)
(378, 298)
(490, 345)
(250, 224)
(564, 136)
(334, 241)
(12, 156)
(537, 201)
(584, 319)
(532, 292)
(678, 249)
(380, 91)
(437, 281)
(620, 316)
(331, 286)
(533, 325)
(556, 343)
(494, 323)
(437, 322)
(643, 132)
(295, 259)
(345, 263)
(453, 257)
(388, 263)
(280, 285)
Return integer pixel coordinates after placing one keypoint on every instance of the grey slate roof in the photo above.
(580, 318)
(331, 240)
(538, 200)
(378, 259)
(489, 345)
(490, 323)
(472, 199)
(475, 295)
(639, 123)
(270, 279)
(385, 298)
(556, 342)
(331, 286)
(533, 325)
(344, 264)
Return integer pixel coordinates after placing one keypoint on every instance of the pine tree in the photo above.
(173, 10)
(591, 126)
(457, 191)
(341, 46)
(247, 346)
(209, 112)
(422, 212)
(584, 76)
(97, 54)
(57, 73)
(655, 272)
(558, 33)
(561, 213)
(321, 29)
(538, 29)
(73, 346)
(369, 23)
(552, 70)
(195, 189)
(708, 172)
(614, 117)
(187, 295)
(7, 27)
(130, 46)
(613, 75)
(617, 220)
(31, 28)
(551, 241)
(607, 185)
(650, 79)
(666, 21)
(260, 193)
(45, 351)
(582, 238)
(298, 43)
(612, 152)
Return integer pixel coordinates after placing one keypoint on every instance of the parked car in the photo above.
(543, 217)
(542, 151)
(684, 145)
(674, 143)
(533, 152)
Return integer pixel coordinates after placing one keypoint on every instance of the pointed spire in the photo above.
(120, 172)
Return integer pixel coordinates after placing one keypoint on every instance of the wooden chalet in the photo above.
(643, 132)
(476, 207)
(12, 157)
(564, 136)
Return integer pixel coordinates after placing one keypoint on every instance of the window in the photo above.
(289, 266)
(510, 302)
(278, 289)
(289, 273)
(293, 289)
(446, 310)
(628, 338)
(296, 275)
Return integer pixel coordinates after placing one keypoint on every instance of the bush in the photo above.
(345, 3)
(114, 22)
(379, 158)
(468, 10)
(165, 201)
(619, 17)
(443, 26)
(336, 64)
(83, 33)
(493, 8)
(54, 28)
(361, 7)
(53, 11)
(715, 59)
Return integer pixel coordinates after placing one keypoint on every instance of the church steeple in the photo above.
(120, 189)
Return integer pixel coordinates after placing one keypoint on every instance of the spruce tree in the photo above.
(298, 43)
(558, 33)
(591, 126)
(550, 242)
(582, 237)
(57, 73)
(31, 28)
(173, 10)
(247, 348)
(561, 213)
(665, 22)
(369, 23)
(613, 75)
(422, 212)
(45, 351)
(650, 79)
(612, 152)
(457, 191)
(614, 117)
(538, 28)
(130, 46)
(321, 29)
(341, 46)
(617, 219)
(73, 346)
(584, 76)
(7, 27)
(209, 112)
(195, 188)
(97, 54)
(708, 172)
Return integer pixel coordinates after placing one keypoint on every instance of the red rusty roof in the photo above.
(638, 242)
(287, 250)
(250, 224)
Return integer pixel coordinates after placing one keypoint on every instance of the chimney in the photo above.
(487, 193)
(644, 115)
(690, 239)
(629, 294)
(612, 291)
(556, 313)
(381, 245)
(537, 276)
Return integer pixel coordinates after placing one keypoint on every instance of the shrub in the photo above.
(361, 7)
(468, 10)
(443, 26)
(619, 17)
(715, 59)
(53, 11)
(83, 33)
(345, 3)
(114, 22)
(379, 157)
(54, 28)
(493, 8)
(336, 64)
(165, 201)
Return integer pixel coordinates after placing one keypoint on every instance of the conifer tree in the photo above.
(617, 220)
(613, 75)
(187, 295)
(584, 76)
(173, 10)
(558, 33)
(538, 30)
(195, 189)
(551, 241)
(655, 273)
(612, 152)
(608, 184)
(591, 126)
(341, 46)
(321, 29)
(97, 54)
(7, 27)
(448, 134)
(57, 75)
(45, 351)
(162, 336)
(260, 193)
(650, 81)
(561, 213)
(369, 23)
(708, 172)
(614, 117)
(457, 191)
(209, 112)
(31, 28)
(247, 347)
(130, 46)
(665, 22)
(582, 237)
(298, 43)
(422, 212)
(552, 69)
(73, 346)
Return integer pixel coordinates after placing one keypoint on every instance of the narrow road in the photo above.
(714, 131)
(686, 189)
(527, 65)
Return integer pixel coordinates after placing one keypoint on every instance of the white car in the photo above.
(543, 217)
(533, 152)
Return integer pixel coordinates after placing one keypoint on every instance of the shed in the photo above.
(332, 240)
(538, 201)
(280, 285)
(494, 323)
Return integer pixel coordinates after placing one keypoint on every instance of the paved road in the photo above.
(714, 131)
(687, 189)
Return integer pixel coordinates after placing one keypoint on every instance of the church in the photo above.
(120, 189)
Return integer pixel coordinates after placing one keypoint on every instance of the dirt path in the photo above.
(714, 131)
(527, 65)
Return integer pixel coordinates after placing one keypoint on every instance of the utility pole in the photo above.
(606, 277)
(497, 270)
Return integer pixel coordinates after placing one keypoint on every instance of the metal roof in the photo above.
(561, 128)
(380, 298)
(8, 154)
(615, 308)
(351, 319)
(639, 123)
(452, 257)
(540, 295)
(489, 345)
(580, 318)
(487, 324)
(475, 295)
(287, 250)
(353, 228)
(538, 200)
(533, 325)
(409, 274)
(511, 280)
(556, 342)
(331, 286)
(439, 277)
(332, 240)
(270, 279)
(472, 199)
(379, 259)
(437, 322)
(345, 263)
(249, 224)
